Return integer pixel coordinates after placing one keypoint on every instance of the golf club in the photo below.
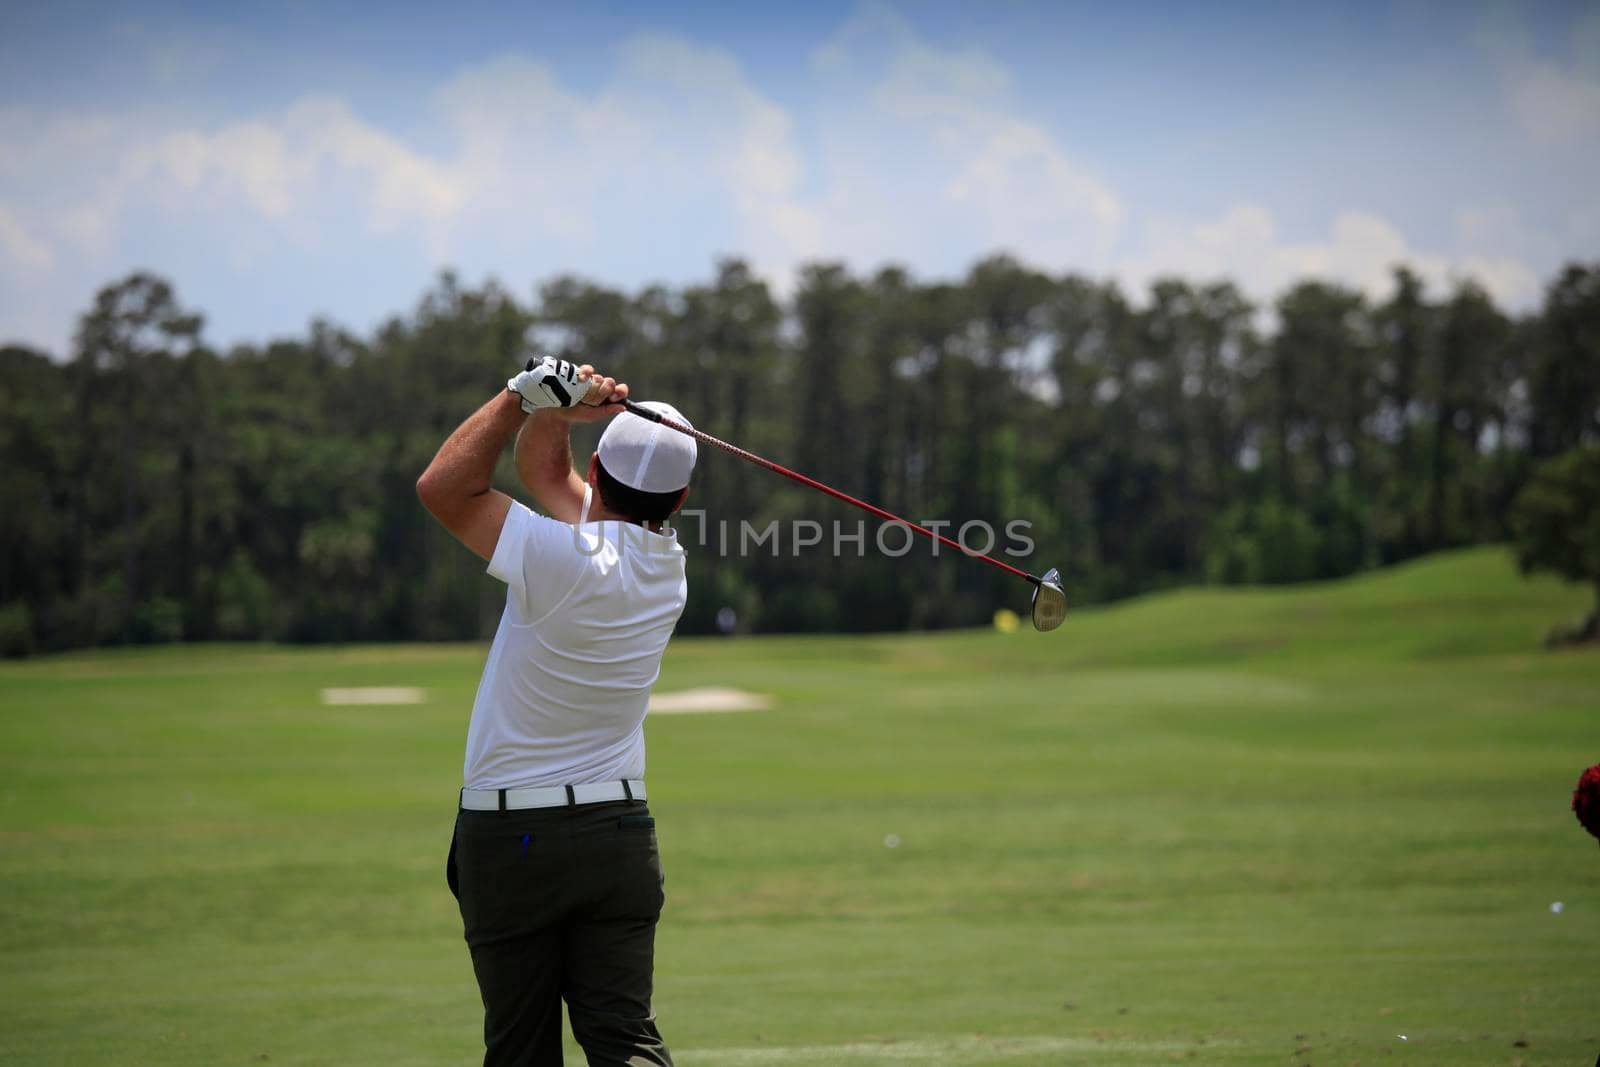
(1049, 600)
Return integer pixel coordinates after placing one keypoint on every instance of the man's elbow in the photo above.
(430, 492)
(444, 500)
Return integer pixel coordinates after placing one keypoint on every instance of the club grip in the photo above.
(641, 411)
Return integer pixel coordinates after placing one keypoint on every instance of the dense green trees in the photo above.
(1556, 522)
(154, 488)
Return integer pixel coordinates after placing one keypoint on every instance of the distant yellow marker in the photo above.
(1006, 621)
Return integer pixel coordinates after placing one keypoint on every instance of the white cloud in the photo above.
(927, 158)
(907, 152)
(878, 40)
(283, 169)
(1361, 250)
(1034, 200)
(676, 146)
(1509, 280)
(674, 155)
(19, 247)
(92, 178)
(1554, 99)
(404, 185)
(1556, 106)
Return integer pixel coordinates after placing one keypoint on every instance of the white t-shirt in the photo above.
(589, 610)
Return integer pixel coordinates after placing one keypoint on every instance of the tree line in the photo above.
(157, 489)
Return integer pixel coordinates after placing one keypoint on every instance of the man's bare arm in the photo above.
(455, 488)
(544, 446)
(544, 464)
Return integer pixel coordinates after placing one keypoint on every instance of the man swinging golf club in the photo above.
(554, 861)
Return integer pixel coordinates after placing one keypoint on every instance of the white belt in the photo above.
(550, 796)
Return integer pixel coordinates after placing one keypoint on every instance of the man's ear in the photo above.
(594, 465)
(682, 497)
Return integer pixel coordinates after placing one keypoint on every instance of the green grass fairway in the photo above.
(1243, 827)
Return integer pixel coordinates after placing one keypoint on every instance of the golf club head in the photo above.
(1049, 602)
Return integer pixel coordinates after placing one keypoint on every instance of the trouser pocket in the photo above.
(451, 877)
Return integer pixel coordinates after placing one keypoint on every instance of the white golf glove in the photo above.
(549, 383)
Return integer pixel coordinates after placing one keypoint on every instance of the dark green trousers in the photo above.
(562, 904)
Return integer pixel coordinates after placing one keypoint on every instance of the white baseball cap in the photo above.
(646, 455)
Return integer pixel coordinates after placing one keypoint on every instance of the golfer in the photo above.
(554, 861)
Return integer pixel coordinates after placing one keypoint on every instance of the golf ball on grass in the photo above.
(891, 840)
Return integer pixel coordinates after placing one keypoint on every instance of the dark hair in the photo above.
(635, 505)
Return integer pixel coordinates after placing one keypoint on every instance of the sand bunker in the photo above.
(709, 699)
(382, 694)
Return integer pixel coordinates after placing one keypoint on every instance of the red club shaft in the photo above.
(778, 468)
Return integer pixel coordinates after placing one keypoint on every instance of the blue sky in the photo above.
(279, 162)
